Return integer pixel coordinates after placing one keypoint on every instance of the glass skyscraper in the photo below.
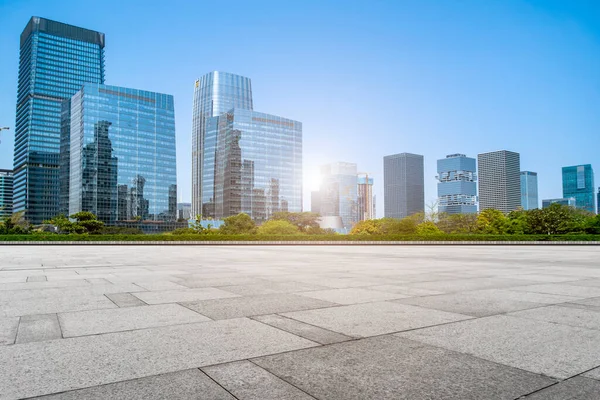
(6, 193)
(529, 190)
(499, 180)
(578, 182)
(403, 185)
(564, 202)
(366, 199)
(338, 194)
(55, 60)
(258, 165)
(457, 186)
(242, 160)
(214, 94)
(122, 156)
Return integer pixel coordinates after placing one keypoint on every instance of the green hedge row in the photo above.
(304, 238)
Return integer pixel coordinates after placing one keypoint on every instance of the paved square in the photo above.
(299, 322)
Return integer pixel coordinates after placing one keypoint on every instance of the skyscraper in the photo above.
(529, 190)
(564, 202)
(403, 185)
(366, 199)
(457, 187)
(214, 94)
(338, 192)
(598, 207)
(6, 193)
(499, 180)
(578, 182)
(55, 60)
(122, 156)
(257, 165)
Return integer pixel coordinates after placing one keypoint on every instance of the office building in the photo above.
(457, 186)
(214, 94)
(315, 201)
(6, 193)
(257, 165)
(529, 190)
(403, 185)
(499, 180)
(598, 206)
(366, 199)
(122, 156)
(578, 182)
(338, 192)
(184, 211)
(571, 202)
(55, 60)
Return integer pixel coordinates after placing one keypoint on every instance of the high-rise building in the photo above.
(457, 186)
(598, 207)
(214, 94)
(257, 165)
(55, 60)
(366, 199)
(184, 211)
(338, 192)
(529, 190)
(571, 202)
(315, 201)
(122, 156)
(6, 193)
(578, 182)
(499, 180)
(403, 185)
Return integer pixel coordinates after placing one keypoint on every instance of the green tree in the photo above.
(458, 223)
(555, 219)
(238, 225)
(88, 221)
(302, 220)
(368, 227)
(278, 227)
(592, 225)
(428, 228)
(492, 222)
(404, 226)
(64, 225)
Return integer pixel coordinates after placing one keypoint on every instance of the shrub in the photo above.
(278, 227)
(238, 225)
(428, 228)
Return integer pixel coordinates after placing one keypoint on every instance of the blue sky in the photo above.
(366, 78)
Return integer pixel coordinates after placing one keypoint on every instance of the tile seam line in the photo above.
(215, 381)
(291, 333)
(285, 380)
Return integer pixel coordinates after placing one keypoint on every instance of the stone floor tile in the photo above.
(247, 381)
(554, 350)
(160, 285)
(125, 300)
(271, 288)
(35, 369)
(37, 278)
(370, 319)
(388, 367)
(189, 384)
(124, 319)
(8, 330)
(254, 305)
(405, 290)
(594, 373)
(577, 388)
(53, 304)
(202, 282)
(583, 318)
(307, 331)
(351, 295)
(37, 328)
(457, 285)
(562, 289)
(174, 296)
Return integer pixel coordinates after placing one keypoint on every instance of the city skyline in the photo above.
(326, 103)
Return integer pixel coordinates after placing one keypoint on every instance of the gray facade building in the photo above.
(499, 180)
(403, 185)
(457, 186)
(184, 211)
(6, 193)
(529, 190)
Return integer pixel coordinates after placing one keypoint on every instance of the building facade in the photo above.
(403, 185)
(55, 60)
(6, 193)
(457, 186)
(571, 202)
(578, 182)
(257, 165)
(499, 180)
(214, 94)
(184, 211)
(122, 156)
(366, 199)
(338, 192)
(529, 190)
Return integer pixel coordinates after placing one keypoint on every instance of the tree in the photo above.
(428, 228)
(278, 227)
(593, 225)
(492, 222)
(555, 219)
(238, 225)
(404, 226)
(458, 223)
(302, 220)
(64, 225)
(368, 227)
(88, 221)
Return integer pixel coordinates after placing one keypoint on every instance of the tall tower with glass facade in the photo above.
(403, 185)
(366, 199)
(499, 180)
(529, 190)
(457, 186)
(578, 182)
(122, 156)
(338, 192)
(56, 59)
(6, 193)
(214, 94)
